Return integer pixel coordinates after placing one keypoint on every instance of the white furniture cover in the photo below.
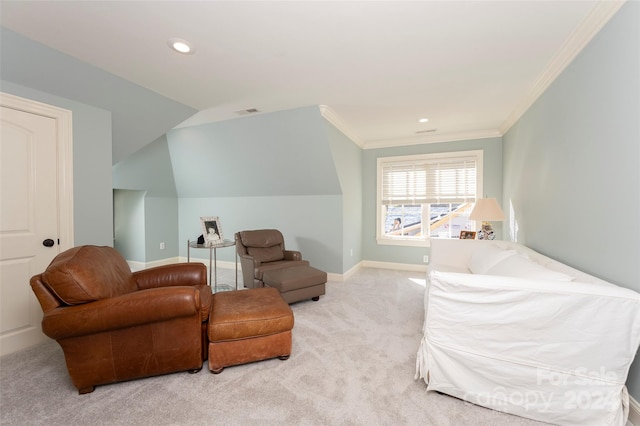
(550, 350)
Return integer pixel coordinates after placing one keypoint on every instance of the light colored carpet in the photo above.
(353, 363)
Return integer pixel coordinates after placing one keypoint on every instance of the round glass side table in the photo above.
(213, 262)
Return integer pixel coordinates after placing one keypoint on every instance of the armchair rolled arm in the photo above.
(177, 274)
(292, 255)
(249, 260)
(132, 309)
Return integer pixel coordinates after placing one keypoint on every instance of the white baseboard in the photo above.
(634, 412)
(223, 264)
(334, 277)
(347, 274)
(231, 265)
(396, 266)
(138, 266)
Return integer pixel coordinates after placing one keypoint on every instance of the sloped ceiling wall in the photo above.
(139, 116)
(281, 153)
(148, 169)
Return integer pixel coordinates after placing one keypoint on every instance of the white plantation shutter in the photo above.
(437, 181)
(404, 183)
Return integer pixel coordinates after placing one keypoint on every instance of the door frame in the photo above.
(64, 142)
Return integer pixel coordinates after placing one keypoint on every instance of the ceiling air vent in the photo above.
(426, 131)
(247, 111)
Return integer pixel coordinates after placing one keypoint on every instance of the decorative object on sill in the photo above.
(211, 230)
(467, 235)
(486, 210)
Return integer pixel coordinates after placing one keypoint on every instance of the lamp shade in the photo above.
(486, 209)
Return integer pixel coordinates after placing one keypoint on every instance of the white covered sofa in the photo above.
(510, 329)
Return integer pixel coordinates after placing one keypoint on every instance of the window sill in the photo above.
(403, 242)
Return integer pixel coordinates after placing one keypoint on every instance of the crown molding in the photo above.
(333, 118)
(593, 23)
(433, 138)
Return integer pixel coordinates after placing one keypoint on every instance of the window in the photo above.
(426, 196)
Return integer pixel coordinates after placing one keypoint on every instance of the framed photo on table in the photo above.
(211, 230)
(467, 235)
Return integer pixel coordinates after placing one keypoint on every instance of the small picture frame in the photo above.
(467, 235)
(211, 230)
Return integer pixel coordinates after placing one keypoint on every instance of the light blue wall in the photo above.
(571, 163)
(149, 170)
(492, 187)
(265, 171)
(347, 157)
(92, 192)
(161, 226)
(311, 224)
(281, 153)
(129, 224)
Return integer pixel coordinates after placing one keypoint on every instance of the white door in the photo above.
(30, 222)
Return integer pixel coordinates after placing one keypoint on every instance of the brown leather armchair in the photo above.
(114, 325)
(263, 250)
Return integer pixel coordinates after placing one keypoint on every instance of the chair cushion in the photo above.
(247, 314)
(266, 254)
(259, 271)
(294, 278)
(265, 245)
(88, 273)
(262, 238)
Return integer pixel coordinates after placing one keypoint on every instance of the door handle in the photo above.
(48, 242)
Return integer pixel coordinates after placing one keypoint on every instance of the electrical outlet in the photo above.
(425, 258)
(162, 246)
(351, 252)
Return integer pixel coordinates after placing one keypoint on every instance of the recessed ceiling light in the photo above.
(423, 120)
(181, 46)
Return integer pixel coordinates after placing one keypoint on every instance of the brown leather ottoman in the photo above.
(297, 283)
(248, 325)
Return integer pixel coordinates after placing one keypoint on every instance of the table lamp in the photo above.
(485, 210)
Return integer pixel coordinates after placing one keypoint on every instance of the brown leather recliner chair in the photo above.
(114, 325)
(263, 250)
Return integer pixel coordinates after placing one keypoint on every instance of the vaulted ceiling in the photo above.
(377, 67)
